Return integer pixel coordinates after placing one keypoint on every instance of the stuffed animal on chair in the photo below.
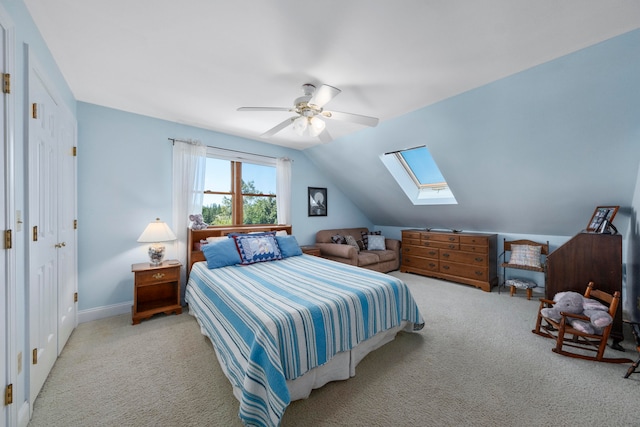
(197, 222)
(575, 303)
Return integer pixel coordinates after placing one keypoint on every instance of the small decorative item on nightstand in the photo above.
(156, 289)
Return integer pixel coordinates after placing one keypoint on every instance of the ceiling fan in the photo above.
(310, 112)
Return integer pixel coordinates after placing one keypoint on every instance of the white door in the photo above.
(5, 376)
(67, 260)
(42, 226)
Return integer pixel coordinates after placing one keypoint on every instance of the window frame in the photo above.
(236, 160)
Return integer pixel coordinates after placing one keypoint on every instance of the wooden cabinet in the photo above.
(468, 258)
(588, 257)
(155, 290)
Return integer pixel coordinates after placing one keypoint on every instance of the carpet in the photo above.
(476, 363)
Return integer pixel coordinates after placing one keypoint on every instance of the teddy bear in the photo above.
(575, 303)
(197, 222)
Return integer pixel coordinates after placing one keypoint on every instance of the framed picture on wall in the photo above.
(317, 201)
(603, 215)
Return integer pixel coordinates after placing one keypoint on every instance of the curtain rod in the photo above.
(404, 149)
(191, 141)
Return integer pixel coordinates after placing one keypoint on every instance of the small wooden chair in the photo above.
(508, 261)
(566, 336)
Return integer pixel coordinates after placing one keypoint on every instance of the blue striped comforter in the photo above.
(273, 321)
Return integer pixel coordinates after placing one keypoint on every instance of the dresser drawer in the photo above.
(462, 270)
(411, 235)
(429, 264)
(474, 240)
(444, 237)
(441, 245)
(157, 276)
(474, 249)
(420, 251)
(411, 241)
(464, 257)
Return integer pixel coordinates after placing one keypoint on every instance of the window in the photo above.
(239, 190)
(417, 173)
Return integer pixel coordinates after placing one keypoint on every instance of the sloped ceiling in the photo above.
(533, 153)
(530, 108)
(196, 61)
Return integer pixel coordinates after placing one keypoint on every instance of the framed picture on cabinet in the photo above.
(602, 217)
(317, 201)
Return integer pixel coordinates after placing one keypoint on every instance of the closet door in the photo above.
(43, 232)
(67, 253)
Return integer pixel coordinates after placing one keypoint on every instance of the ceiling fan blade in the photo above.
(278, 127)
(324, 94)
(265, 109)
(324, 136)
(350, 117)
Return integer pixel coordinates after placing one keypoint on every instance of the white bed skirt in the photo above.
(342, 366)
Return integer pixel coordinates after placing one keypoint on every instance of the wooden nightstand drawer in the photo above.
(156, 276)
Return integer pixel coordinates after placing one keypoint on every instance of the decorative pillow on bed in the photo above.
(525, 255)
(288, 246)
(221, 253)
(352, 241)
(336, 238)
(376, 243)
(282, 233)
(365, 237)
(257, 248)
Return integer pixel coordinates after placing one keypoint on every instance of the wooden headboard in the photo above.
(194, 254)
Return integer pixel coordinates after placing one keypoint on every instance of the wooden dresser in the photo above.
(469, 258)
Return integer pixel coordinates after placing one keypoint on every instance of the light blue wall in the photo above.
(124, 182)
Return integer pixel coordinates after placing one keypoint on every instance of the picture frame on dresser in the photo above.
(602, 215)
(317, 199)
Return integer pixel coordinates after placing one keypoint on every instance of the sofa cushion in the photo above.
(365, 236)
(368, 258)
(386, 255)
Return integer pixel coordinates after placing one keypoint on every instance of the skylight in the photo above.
(417, 173)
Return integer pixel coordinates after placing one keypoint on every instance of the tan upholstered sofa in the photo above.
(378, 260)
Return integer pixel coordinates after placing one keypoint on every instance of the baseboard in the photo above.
(105, 311)
(23, 415)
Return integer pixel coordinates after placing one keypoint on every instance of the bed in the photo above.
(283, 327)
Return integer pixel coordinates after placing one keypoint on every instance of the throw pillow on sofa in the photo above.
(376, 243)
(365, 237)
(336, 238)
(352, 241)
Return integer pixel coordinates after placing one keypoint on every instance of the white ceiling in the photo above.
(196, 61)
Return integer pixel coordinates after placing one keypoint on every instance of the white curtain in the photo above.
(189, 161)
(283, 190)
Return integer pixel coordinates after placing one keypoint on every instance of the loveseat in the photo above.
(384, 260)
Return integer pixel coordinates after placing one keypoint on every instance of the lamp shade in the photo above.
(157, 231)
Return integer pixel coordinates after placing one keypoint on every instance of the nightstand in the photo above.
(155, 289)
(310, 250)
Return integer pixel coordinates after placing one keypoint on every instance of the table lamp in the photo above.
(155, 233)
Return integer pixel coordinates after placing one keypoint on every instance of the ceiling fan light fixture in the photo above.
(300, 125)
(316, 126)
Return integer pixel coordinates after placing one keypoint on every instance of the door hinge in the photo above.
(7, 239)
(75, 297)
(75, 151)
(34, 354)
(34, 110)
(35, 233)
(75, 224)
(8, 395)
(6, 83)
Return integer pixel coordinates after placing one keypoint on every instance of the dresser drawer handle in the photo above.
(452, 239)
(445, 267)
(432, 252)
(431, 264)
(446, 255)
(479, 259)
(479, 273)
(452, 246)
(158, 276)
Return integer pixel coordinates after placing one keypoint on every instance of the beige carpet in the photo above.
(476, 363)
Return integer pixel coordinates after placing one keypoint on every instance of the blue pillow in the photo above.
(221, 253)
(259, 248)
(288, 246)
